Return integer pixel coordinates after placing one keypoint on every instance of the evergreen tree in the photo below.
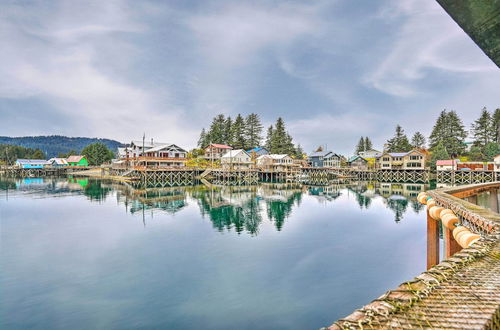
(449, 131)
(97, 153)
(228, 131)
(202, 141)
(418, 140)
(496, 125)
(476, 154)
(216, 132)
(38, 154)
(238, 129)
(491, 150)
(368, 143)
(439, 153)
(299, 152)
(289, 147)
(253, 130)
(360, 146)
(280, 139)
(399, 143)
(482, 129)
(269, 138)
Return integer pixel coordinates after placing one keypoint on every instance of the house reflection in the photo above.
(238, 208)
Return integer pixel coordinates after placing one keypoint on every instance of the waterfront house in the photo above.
(154, 154)
(324, 159)
(496, 161)
(58, 162)
(237, 159)
(276, 163)
(258, 151)
(77, 160)
(32, 163)
(357, 162)
(446, 165)
(412, 160)
(216, 151)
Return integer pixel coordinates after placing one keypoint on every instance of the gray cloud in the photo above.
(333, 70)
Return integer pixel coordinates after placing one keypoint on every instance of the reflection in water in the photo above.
(282, 256)
(227, 207)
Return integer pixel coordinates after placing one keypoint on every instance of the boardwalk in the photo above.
(461, 292)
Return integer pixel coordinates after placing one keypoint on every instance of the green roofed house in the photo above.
(77, 161)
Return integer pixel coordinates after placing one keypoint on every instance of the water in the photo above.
(86, 254)
(486, 199)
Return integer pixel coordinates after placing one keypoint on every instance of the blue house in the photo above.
(32, 163)
(324, 159)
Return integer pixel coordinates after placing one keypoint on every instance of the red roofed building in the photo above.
(446, 165)
(215, 151)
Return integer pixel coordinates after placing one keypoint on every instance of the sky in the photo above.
(334, 70)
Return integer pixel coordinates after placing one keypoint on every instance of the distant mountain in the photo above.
(55, 144)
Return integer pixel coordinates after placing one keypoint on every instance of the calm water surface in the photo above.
(86, 254)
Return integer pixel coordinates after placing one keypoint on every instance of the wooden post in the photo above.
(450, 244)
(432, 241)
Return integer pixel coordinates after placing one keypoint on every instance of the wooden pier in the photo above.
(460, 292)
(466, 177)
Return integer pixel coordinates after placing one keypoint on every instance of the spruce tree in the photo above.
(202, 141)
(279, 141)
(418, 140)
(476, 154)
(482, 129)
(228, 131)
(269, 138)
(399, 143)
(216, 132)
(439, 153)
(491, 150)
(299, 152)
(368, 143)
(449, 130)
(496, 125)
(360, 146)
(238, 129)
(253, 130)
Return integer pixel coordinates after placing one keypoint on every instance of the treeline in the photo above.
(10, 153)
(246, 133)
(54, 145)
(447, 139)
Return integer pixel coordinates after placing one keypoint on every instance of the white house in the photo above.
(154, 154)
(275, 162)
(237, 159)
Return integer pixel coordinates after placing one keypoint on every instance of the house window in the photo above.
(386, 159)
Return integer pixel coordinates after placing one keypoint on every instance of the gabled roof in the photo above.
(74, 158)
(163, 146)
(353, 158)
(58, 161)
(33, 161)
(323, 154)
(234, 153)
(221, 146)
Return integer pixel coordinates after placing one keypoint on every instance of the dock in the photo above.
(460, 292)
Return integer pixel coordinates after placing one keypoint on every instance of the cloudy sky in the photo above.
(334, 70)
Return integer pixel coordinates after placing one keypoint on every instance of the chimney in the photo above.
(152, 142)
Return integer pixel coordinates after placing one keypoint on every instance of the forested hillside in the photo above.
(56, 144)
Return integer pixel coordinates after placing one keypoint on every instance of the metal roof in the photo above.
(33, 161)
